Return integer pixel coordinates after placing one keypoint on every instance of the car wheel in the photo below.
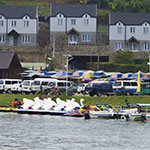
(127, 93)
(83, 92)
(99, 94)
(9, 91)
(91, 94)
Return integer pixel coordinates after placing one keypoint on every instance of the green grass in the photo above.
(6, 99)
(43, 7)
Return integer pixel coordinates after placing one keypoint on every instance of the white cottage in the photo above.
(77, 21)
(18, 25)
(129, 31)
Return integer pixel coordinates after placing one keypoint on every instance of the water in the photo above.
(33, 132)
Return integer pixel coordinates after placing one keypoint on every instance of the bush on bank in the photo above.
(116, 67)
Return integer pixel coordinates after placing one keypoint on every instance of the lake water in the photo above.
(33, 132)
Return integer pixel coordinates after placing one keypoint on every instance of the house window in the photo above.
(145, 46)
(26, 39)
(26, 23)
(86, 38)
(86, 21)
(1, 23)
(72, 39)
(132, 29)
(73, 21)
(119, 29)
(145, 30)
(132, 46)
(119, 46)
(2, 38)
(60, 21)
(13, 23)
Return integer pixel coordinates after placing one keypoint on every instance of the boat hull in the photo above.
(40, 112)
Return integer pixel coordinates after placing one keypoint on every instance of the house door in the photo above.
(132, 46)
(73, 39)
(11, 41)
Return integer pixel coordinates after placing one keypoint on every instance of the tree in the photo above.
(84, 1)
(52, 64)
(119, 5)
(43, 37)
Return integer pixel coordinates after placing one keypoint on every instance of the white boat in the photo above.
(109, 114)
(139, 115)
(98, 114)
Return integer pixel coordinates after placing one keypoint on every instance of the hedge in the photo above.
(115, 67)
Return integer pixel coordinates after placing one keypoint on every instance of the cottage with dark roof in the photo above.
(77, 21)
(10, 66)
(129, 31)
(18, 25)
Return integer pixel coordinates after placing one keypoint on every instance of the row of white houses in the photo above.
(127, 31)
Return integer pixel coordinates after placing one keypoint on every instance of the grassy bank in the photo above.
(43, 6)
(6, 99)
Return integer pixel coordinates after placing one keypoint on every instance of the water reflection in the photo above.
(63, 133)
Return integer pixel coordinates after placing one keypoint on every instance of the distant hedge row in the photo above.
(124, 68)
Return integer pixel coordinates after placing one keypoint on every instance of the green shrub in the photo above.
(118, 67)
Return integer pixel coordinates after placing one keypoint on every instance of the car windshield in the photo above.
(26, 83)
(44, 83)
(1, 82)
(145, 86)
(89, 85)
(51, 83)
(81, 85)
(126, 83)
(117, 84)
(36, 82)
(14, 82)
(134, 83)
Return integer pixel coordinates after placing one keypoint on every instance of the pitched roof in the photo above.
(6, 59)
(18, 11)
(129, 18)
(73, 10)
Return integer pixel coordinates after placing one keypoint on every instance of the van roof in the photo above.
(126, 81)
(11, 79)
(45, 79)
(99, 82)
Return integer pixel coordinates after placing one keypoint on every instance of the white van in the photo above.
(38, 82)
(61, 85)
(127, 87)
(16, 88)
(26, 86)
(7, 84)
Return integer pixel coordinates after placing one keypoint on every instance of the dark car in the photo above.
(99, 89)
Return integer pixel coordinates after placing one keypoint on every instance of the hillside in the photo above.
(43, 5)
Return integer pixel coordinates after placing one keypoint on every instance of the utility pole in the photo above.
(53, 55)
(98, 49)
(149, 62)
(98, 56)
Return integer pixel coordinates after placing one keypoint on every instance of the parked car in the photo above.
(145, 87)
(125, 87)
(81, 88)
(99, 89)
(62, 85)
(16, 88)
(7, 84)
(41, 82)
(26, 86)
